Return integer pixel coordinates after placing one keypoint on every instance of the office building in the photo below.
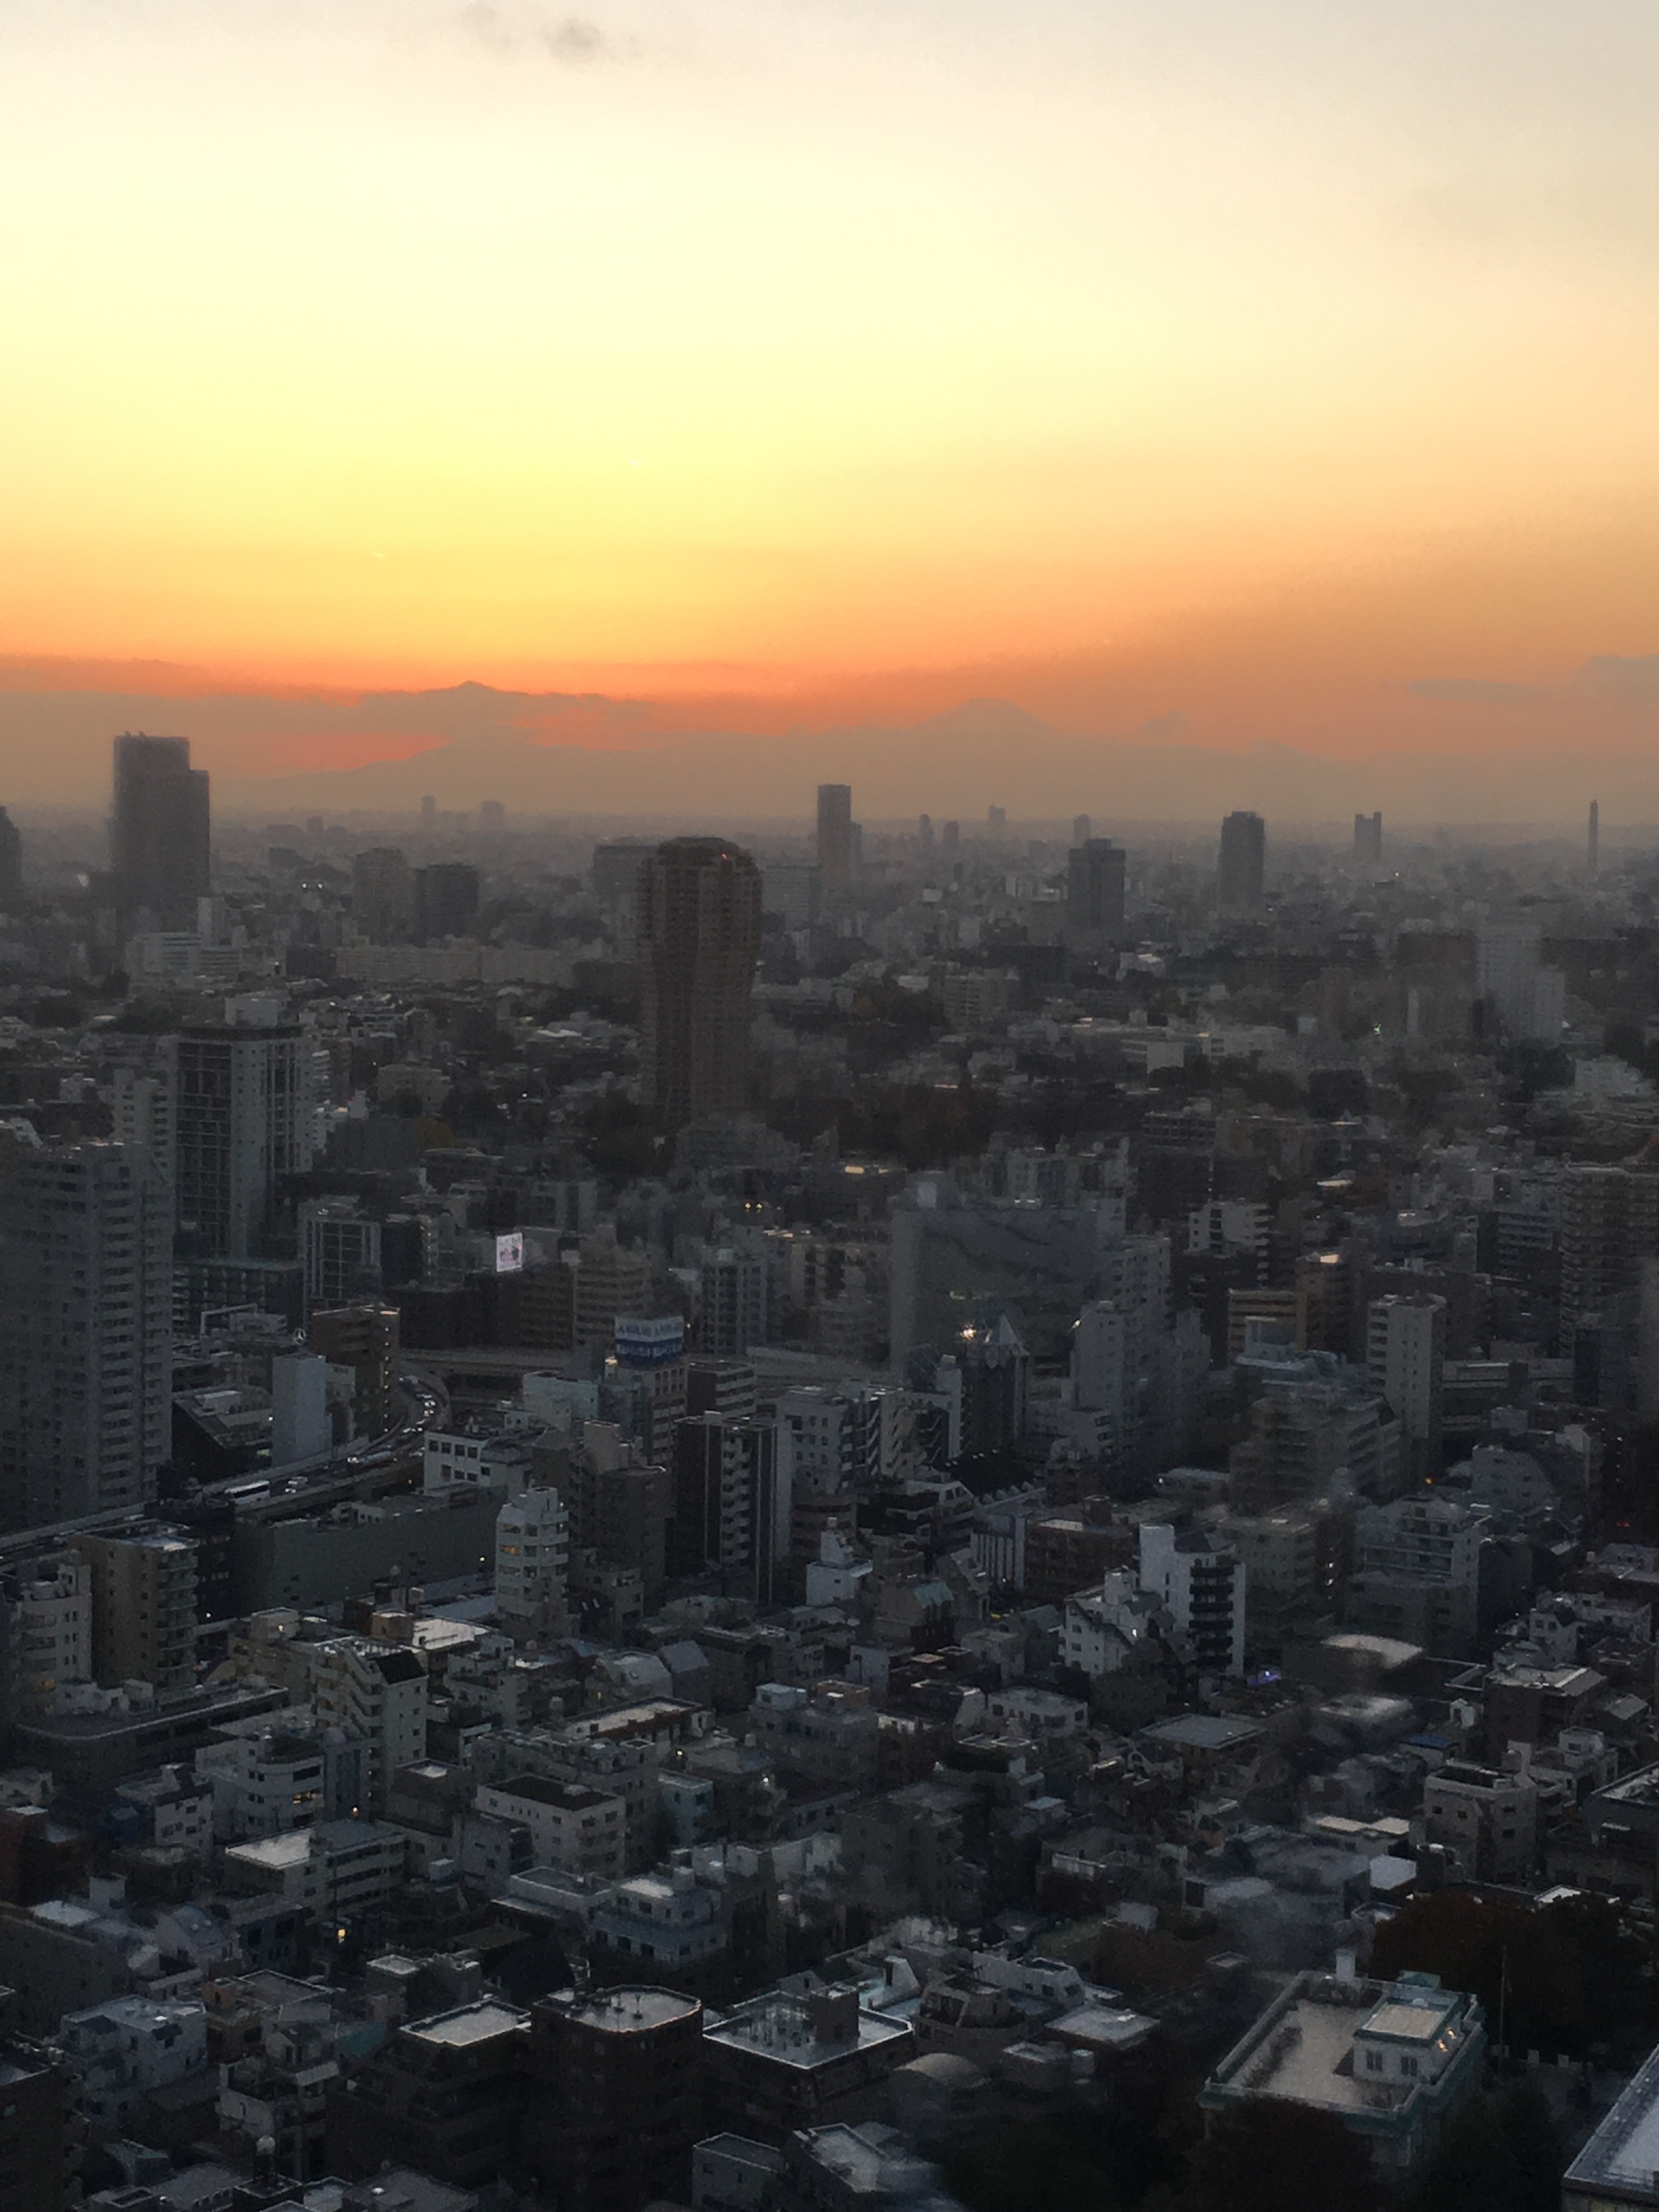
(86, 1300)
(159, 831)
(446, 901)
(245, 1118)
(699, 930)
(340, 1252)
(363, 1338)
(1243, 865)
(1527, 998)
(145, 1109)
(1593, 840)
(1368, 840)
(11, 864)
(731, 1504)
(836, 839)
(1417, 1573)
(1094, 895)
(383, 894)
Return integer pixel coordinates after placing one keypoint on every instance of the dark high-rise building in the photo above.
(159, 831)
(446, 899)
(615, 2099)
(1367, 841)
(1094, 895)
(698, 930)
(732, 1503)
(1593, 840)
(86, 1308)
(1243, 863)
(383, 894)
(243, 1119)
(11, 863)
(836, 839)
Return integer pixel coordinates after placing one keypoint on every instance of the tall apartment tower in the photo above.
(1094, 895)
(158, 830)
(1405, 1360)
(243, 1118)
(699, 933)
(1593, 841)
(836, 839)
(1243, 863)
(11, 864)
(86, 1302)
(1368, 840)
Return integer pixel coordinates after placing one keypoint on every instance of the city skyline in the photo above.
(1177, 383)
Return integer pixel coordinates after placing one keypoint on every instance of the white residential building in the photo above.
(377, 1694)
(573, 1828)
(532, 1561)
(1199, 1579)
(124, 2050)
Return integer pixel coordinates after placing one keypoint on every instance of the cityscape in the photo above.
(914, 1515)
(829, 1106)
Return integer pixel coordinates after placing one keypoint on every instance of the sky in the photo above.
(1178, 371)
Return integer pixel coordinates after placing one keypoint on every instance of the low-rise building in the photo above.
(575, 1829)
(1391, 2060)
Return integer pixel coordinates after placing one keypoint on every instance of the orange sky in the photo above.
(812, 360)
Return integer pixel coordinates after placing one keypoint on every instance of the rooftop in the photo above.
(1624, 2152)
(471, 2023)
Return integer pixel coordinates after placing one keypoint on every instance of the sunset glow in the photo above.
(807, 360)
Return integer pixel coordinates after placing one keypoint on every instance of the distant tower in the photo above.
(1368, 840)
(925, 832)
(1082, 830)
(429, 816)
(158, 830)
(950, 839)
(1243, 863)
(698, 931)
(996, 823)
(1593, 850)
(836, 834)
(1094, 895)
(11, 864)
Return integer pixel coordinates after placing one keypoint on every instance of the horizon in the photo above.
(729, 371)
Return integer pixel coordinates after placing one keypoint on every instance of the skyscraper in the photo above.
(1593, 842)
(836, 834)
(243, 1118)
(86, 1373)
(1094, 895)
(1368, 840)
(11, 863)
(698, 931)
(383, 894)
(1243, 863)
(158, 830)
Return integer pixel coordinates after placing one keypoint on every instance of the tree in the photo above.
(1500, 2154)
(1269, 2155)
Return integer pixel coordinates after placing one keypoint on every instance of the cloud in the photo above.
(577, 41)
(1634, 681)
(1476, 690)
(572, 41)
